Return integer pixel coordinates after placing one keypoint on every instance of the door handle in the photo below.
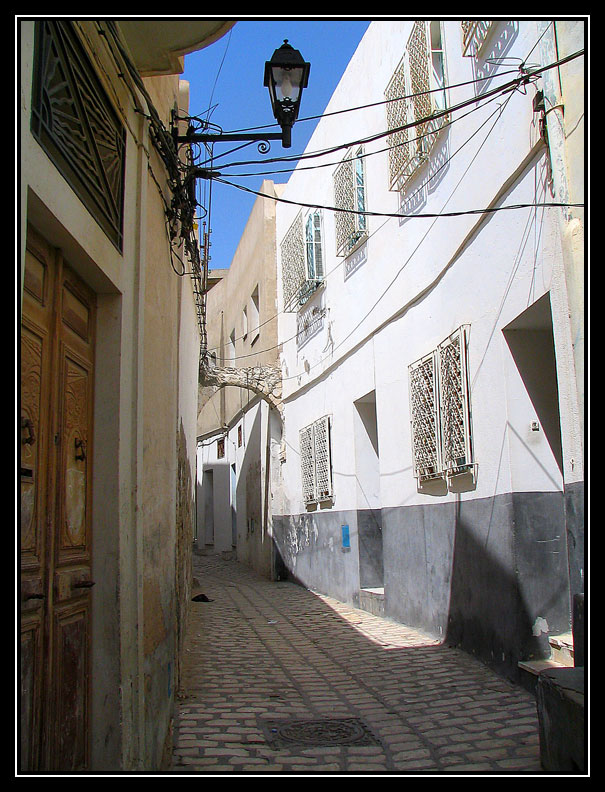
(34, 596)
(27, 423)
(80, 449)
(83, 584)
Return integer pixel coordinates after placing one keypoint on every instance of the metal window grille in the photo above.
(412, 94)
(76, 124)
(474, 34)
(302, 259)
(323, 460)
(454, 403)
(316, 461)
(424, 405)
(440, 410)
(349, 197)
(307, 464)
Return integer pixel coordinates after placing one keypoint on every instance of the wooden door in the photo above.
(57, 369)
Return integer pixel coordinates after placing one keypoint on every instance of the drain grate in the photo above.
(318, 732)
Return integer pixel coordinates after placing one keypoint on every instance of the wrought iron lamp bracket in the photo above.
(192, 136)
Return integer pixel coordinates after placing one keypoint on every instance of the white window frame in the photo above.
(314, 270)
(441, 433)
(301, 277)
(316, 461)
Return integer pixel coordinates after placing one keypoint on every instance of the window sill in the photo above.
(354, 246)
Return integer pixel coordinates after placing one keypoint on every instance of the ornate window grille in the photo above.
(440, 411)
(316, 461)
(302, 259)
(455, 404)
(350, 198)
(77, 126)
(424, 405)
(416, 91)
(474, 33)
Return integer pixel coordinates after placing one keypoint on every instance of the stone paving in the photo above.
(278, 679)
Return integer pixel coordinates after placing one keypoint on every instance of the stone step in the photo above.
(561, 656)
(561, 647)
(535, 666)
(372, 600)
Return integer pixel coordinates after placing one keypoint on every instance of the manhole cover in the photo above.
(318, 732)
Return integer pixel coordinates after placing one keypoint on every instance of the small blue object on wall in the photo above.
(346, 541)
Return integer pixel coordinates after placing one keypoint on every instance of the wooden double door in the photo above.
(57, 371)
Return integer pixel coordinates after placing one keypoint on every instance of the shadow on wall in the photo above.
(508, 587)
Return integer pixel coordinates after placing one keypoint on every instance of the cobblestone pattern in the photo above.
(263, 651)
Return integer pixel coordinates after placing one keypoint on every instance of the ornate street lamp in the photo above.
(286, 76)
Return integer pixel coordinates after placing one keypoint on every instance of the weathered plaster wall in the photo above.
(240, 399)
(144, 421)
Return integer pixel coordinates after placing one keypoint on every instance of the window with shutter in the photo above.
(302, 259)
(323, 460)
(415, 92)
(440, 411)
(424, 406)
(454, 404)
(315, 267)
(350, 199)
(316, 461)
(307, 464)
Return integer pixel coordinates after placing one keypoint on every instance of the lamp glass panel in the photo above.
(287, 83)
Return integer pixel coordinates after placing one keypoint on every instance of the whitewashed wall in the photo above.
(402, 292)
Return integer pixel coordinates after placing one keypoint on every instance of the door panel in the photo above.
(36, 361)
(57, 373)
(69, 743)
(73, 506)
(31, 675)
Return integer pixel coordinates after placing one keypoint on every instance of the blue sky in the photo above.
(228, 78)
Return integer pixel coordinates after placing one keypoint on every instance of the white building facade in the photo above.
(432, 398)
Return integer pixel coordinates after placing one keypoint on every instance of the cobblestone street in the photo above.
(278, 679)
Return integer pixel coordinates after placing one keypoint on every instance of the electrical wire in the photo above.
(459, 213)
(183, 206)
(499, 110)
(366, 154)
(494, 93)
(435, 216)
(509, 86)
(220, 68)
(405, 97)
(418, 190)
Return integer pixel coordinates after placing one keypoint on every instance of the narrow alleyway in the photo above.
(277, 679)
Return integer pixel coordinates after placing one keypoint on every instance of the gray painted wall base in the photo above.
(489, 575)
(560, 704)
